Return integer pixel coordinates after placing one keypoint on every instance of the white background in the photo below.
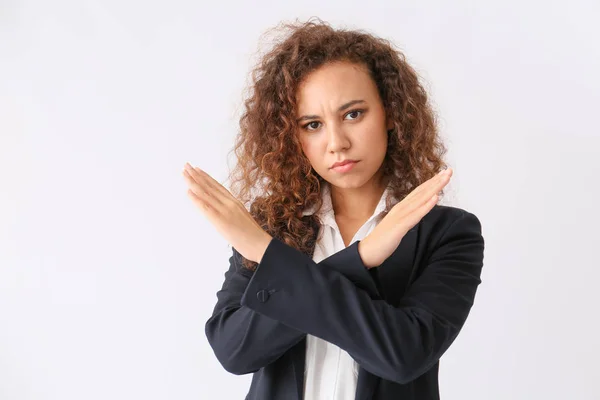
(108, 272)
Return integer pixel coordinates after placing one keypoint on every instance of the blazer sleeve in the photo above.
(395, 343)
(244, 340)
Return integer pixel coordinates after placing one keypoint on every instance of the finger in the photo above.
(426, 185)
(427, 189)
(414, 209)
(417, 214)
(200, 188)
(194, 174)
(442, 180)
(422, 201)
(431, 196)
(205, 180)
(212, 182)
(226, 200)
(197, 200)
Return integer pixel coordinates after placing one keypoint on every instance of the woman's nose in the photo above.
(337, 139)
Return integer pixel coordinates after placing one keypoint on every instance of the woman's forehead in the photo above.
(333, 87)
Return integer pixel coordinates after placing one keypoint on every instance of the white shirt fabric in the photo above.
(330, 373)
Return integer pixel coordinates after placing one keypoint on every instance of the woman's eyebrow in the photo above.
(342, 108)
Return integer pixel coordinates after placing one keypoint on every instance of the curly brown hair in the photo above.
(270, 159)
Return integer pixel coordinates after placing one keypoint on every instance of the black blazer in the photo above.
(395, 320)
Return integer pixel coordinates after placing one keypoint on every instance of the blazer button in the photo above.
(262, 296)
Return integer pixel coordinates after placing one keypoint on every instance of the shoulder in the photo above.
(447, 221)
(441, 216)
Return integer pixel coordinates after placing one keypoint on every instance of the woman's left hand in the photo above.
(227, 214)
(378, 245)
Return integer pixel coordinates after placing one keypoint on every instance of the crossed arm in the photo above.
(260, 315)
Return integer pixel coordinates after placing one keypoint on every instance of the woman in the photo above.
(347, 280)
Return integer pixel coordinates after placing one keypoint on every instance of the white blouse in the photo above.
(330, 372)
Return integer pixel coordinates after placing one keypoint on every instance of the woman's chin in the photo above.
(348, 182)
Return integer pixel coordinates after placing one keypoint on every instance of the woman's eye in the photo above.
(357, 113)
(310, 126)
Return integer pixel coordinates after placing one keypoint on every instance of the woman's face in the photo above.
(341, 117)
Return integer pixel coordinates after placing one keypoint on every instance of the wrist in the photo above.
(262, 247)
(363, 251)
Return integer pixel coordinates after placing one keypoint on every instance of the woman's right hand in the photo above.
(376, 247)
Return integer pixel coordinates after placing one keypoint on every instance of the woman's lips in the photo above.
(345, 168)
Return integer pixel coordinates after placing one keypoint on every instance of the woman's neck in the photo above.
(357, 203)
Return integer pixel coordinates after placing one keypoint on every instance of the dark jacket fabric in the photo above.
(395, 320)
